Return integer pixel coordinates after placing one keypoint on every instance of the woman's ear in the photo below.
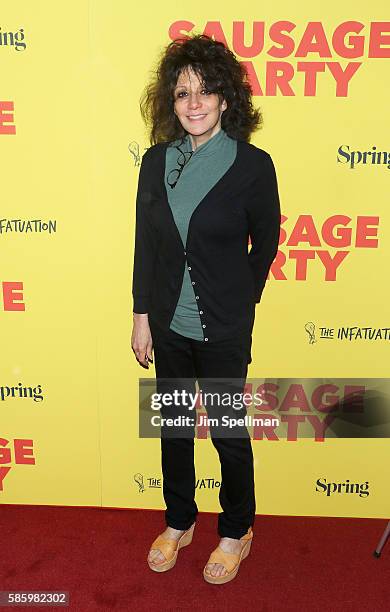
(224, 105)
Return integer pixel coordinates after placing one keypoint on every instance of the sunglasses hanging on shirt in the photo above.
(183, 159)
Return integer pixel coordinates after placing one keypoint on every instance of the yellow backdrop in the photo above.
(70, 129)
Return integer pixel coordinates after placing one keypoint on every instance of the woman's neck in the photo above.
(196, 141)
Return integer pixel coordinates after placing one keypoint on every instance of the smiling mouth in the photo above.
(196, 117)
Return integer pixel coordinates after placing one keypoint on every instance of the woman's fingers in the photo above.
(141, 342)
(141, 356)
(149, 352)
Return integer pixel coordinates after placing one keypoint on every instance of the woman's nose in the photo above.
(194, 100)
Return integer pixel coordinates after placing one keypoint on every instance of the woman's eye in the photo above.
(181, 94)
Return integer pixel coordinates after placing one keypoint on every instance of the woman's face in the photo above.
(198, 111)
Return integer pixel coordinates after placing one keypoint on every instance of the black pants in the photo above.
(175, 357)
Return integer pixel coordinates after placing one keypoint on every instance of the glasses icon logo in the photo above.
(310, 329)
(139, 479)
(134, 151)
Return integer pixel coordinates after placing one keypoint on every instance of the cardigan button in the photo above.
(205, 339)
(189, 267)
(203, 326)
(200, 311)
(197, 297)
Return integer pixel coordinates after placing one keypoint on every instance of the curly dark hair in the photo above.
(218, 70)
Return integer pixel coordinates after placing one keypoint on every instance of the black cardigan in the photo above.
(227, 280)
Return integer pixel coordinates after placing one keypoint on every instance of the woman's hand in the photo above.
(141, 339)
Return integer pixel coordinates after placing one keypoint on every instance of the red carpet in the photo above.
(98, 555)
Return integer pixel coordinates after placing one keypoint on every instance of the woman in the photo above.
(203, 191)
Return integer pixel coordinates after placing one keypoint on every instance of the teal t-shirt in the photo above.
(202, 170)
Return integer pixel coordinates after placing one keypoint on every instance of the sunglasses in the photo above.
(183, 159)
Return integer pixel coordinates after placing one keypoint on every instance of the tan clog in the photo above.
(230, 561)
(170, 549)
